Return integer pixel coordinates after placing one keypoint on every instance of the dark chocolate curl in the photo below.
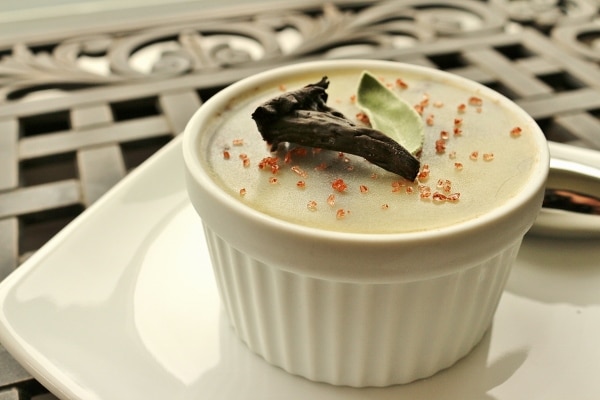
(302, 117)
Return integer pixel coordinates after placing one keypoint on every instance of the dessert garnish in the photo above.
(302, 117)
(390, 114)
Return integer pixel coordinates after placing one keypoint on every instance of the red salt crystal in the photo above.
(396, 186)
(447, 186)
(440, 146)
(424, 192)
(401, 84)
(362, 117)
(441, 197)
(331, 199)
(424, 173)
(299, 171)
(430, 120)
(268, 162)
(475, 101)
(339, 185)
(453, 197)
(437, 196)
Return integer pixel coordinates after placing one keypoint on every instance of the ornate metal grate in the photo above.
(77, 112)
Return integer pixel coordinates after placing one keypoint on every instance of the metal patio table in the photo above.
(83, 103)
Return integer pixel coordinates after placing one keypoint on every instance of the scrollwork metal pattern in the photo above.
(582, 40)
(208, 46)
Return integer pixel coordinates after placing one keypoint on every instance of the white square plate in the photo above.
(121, 304)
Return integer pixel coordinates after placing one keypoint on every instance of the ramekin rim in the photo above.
(192, 163)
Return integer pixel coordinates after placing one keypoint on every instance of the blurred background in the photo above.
(26, 17)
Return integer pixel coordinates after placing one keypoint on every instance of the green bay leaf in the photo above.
(390, 114)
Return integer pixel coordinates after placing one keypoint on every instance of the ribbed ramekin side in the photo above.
(466, 302)
(357, 334)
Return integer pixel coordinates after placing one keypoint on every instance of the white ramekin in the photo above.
(357, 309)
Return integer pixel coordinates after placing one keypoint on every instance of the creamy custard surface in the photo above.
(477, 154)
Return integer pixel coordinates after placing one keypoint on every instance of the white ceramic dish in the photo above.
(115, 307)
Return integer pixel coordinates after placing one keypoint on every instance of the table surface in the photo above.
(84, 99)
